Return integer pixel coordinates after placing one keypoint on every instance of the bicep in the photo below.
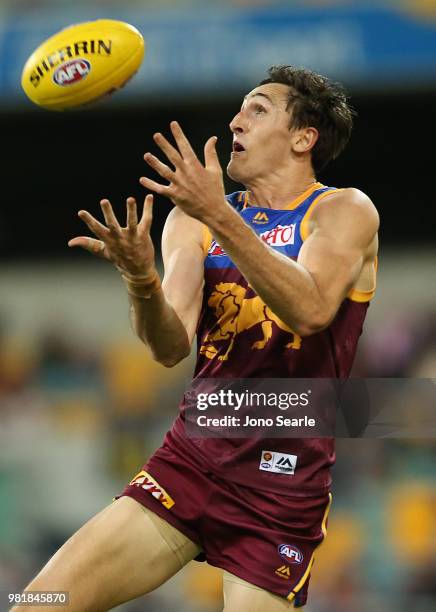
(343, 237)
(183, 257)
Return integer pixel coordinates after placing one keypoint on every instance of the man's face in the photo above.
(261, 134)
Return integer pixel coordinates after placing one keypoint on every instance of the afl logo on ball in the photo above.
(290, 553)
(72, 72)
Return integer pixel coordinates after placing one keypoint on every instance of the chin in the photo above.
(234, 173)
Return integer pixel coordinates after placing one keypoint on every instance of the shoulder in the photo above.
(346, 218)
(348, 206)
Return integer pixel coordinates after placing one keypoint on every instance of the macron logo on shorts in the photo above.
(149, 484)
(279, 463)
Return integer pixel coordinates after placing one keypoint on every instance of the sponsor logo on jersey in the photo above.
(149, 484)
(280, 235)
(72, 72)
(261, 217)
(284, 571)
(290, 553)
(215, 250)
(279, 463)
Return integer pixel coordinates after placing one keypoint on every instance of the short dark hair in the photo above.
(316, 102)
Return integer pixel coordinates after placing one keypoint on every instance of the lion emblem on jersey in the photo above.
(235, 313)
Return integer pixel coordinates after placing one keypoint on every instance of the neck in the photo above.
(278, 190)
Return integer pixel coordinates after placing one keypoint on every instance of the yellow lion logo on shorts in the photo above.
(235, 314)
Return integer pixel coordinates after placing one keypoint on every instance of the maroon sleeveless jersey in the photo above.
(240, 337)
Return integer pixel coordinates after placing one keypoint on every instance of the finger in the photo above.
(182, 142)
(95, 226)
(147, 212)
(210, 155)
(166, 147)
(161, 168)
(132, 214)
(156, 187)
(97, 247)
(109, 216)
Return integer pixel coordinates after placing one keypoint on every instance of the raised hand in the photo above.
(198, 190)
(129, 248)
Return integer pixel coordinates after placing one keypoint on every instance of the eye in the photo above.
(259, 109)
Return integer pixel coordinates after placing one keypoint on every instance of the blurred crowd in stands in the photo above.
(76, 423)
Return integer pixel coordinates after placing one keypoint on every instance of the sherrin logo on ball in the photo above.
(83, 63)
(71, 72)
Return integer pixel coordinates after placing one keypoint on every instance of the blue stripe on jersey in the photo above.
(279, 228)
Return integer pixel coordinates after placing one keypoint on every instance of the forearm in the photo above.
(157, 324)
(283, 284)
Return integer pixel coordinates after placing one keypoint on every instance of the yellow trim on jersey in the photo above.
(304, 226)
(364, 296)
(207, 239)
(304, 577)
(296, 202)
(304, 196)
(360, 296)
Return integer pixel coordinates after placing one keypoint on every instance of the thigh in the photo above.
(123, 552)
(241, 596)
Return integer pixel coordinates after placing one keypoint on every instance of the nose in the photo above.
(237, 124)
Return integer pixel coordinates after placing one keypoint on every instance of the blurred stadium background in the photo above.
(81, 404)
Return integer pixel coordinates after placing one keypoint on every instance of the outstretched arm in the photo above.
(167, 322)
(305, 294)
(163, 317)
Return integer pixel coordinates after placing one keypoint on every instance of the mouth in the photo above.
(237, 147)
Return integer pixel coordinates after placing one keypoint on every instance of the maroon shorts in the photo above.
(264, 538)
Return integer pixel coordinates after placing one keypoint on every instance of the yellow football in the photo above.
(82, 63)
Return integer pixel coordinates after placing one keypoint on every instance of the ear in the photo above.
(304, 139)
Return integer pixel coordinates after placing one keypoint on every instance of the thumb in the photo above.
(96, 247)
(210, 155)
